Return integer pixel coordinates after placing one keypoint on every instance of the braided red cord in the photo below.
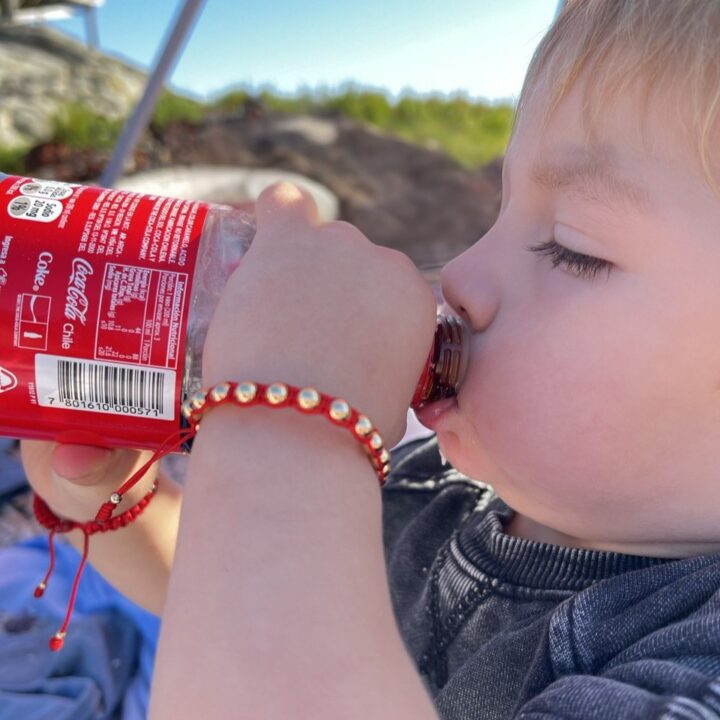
(47, 518)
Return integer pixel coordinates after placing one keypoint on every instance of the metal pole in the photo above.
(91, 28)
(140, 118)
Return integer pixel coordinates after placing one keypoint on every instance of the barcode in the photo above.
(105, 387)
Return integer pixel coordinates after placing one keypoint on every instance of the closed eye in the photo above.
(575, 263)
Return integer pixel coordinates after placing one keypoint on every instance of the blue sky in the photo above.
(479, 47)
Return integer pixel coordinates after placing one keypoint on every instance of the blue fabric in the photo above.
(104, 670)
(12, 475)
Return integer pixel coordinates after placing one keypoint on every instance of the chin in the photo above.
(473, 463)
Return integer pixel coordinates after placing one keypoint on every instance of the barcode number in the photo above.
(115, 388)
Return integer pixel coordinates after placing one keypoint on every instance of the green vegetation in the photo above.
(81, 127)
(232, 102)
(173, 108)
(471, 132)
(12, 161)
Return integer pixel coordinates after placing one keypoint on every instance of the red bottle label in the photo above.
(95, 289)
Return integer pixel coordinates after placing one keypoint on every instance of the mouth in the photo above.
(430, 414)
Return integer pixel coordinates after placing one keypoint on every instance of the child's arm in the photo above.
(278, 605)
(136, 559)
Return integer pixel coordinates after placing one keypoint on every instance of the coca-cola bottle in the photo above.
(108, 296)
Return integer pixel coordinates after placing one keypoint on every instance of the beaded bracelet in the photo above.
(306, 400)
(245, 394)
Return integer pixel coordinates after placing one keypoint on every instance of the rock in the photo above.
(227, 185)
(316, 130)
(42, 69)
(399, 194)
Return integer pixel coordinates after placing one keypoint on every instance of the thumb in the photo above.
(285, 203)
(81, 464)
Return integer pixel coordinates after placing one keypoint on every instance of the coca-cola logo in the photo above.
(76, 302)
(42, 270)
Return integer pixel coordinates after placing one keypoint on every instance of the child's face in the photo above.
(592, 405)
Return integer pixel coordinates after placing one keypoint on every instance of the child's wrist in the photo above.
(291, 432)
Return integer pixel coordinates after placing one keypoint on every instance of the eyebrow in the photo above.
(595, 179)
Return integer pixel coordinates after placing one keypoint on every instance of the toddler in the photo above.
(561, 557)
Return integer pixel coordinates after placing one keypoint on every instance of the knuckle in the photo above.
(400, 258)
(345, 229)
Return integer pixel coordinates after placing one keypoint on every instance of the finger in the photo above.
(285, 203)
(81, 464)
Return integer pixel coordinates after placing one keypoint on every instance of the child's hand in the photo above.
(75, 480)
(321, 305)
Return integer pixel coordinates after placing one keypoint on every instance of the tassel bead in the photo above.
(57, 641)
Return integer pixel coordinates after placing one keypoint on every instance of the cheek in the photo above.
(549, 407)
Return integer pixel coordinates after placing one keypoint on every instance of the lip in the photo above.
(430, 414)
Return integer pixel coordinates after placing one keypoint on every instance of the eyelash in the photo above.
(577, 264)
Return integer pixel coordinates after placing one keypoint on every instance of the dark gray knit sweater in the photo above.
(504, 627)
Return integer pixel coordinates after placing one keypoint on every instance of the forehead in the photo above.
(659, 122)
(647, 137)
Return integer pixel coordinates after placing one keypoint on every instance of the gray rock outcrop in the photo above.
(41, 70)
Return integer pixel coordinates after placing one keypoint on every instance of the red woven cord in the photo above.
(170, 443)
(40, 589)
(58, 640)
(103, 522)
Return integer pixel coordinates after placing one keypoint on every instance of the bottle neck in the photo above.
(446, 364)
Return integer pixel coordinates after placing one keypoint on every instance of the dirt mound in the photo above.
(401, 195)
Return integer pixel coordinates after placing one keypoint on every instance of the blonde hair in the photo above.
(673, 44)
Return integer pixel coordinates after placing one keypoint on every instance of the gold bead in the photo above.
(187, 409)
(339, 409)
(198, 399)
(363, 426)
(245, 392)
(220, 392)
(308, 398)
(376, 441)
(380, 460)
(386, 469)
(277, 393)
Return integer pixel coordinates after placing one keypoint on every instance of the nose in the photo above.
(469, 286)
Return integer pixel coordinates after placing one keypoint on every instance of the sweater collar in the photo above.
(519, 561)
